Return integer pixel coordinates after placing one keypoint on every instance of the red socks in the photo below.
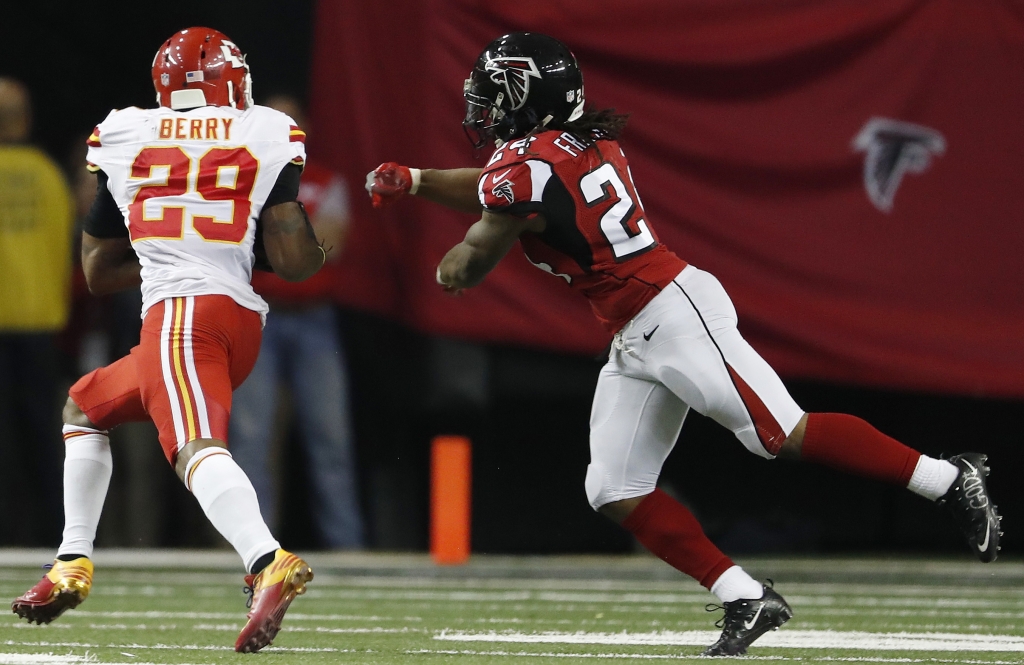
(837, 440)
(850, 444)
(670, 531)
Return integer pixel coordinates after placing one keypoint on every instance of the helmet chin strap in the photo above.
(248, 88)
(187, 99)
(576, 112)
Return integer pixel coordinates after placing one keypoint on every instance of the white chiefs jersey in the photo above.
(191, 185)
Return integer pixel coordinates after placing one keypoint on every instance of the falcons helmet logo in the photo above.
(891, 149)
(514, 75)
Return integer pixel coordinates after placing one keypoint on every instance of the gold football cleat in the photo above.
(64, 587)
(273, 590)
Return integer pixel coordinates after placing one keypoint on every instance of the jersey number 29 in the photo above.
(225, 174)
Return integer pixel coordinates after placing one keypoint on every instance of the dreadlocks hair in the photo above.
(594, 125)
(589, 127)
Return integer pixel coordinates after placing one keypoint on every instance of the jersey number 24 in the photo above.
(602, 184)
(210, 185)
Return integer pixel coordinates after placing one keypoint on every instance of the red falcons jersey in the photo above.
(597, 237)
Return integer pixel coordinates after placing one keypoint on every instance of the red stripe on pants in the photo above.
(769, 431)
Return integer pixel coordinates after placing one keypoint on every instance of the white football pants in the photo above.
(681, 351)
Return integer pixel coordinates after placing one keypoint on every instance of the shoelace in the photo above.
(47, 566)
(713, 607)
(250, 594)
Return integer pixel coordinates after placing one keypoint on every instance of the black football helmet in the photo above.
(521, 80)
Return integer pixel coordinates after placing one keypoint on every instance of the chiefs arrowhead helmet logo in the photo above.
(514, 75)
(893, 148)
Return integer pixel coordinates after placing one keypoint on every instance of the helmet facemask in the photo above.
(521, 82)
(485, 119)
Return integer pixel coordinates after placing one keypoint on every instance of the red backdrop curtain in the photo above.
(743, 146)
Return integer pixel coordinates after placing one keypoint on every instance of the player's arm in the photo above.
(285, 241)
(289, 242)
(486, 242)
(108, 260)
(453, 188)
(109, 264)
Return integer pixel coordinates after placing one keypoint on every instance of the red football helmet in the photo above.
(201, 67)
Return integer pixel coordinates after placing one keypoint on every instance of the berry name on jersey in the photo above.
(195, 129)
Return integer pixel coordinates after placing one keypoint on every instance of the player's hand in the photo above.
(388, 182)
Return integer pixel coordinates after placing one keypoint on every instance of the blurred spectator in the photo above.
(302, 349)
(35, 265)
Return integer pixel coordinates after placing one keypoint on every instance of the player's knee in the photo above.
(750, 439)
(596, 486)
(75, 416)
(605, 488)
(189, 451)
(618, 511)
(792, 447)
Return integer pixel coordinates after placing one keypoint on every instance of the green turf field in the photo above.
(390, 608)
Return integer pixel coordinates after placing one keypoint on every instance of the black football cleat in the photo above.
(747, 620)
(972, 508)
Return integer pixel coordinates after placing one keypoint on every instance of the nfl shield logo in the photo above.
(165, 78)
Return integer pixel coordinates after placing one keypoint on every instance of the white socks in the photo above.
(87, 467)
(229, 501)
(933, 477)
(735, 584)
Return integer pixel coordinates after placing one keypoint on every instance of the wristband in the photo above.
(414, 175)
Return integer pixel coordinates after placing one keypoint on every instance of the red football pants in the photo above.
(192, 353)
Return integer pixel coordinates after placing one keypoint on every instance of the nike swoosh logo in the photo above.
(648, 336)
(988, 532)
(750, 624)
(499, 177)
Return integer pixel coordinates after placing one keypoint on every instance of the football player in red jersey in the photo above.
(559, 183)
(189, 193)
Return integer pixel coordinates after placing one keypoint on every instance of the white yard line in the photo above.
(872, 602)
(292, 616)
(791, 639)
(61, 659)
(317, 629)
(167, 647)
(650, 656)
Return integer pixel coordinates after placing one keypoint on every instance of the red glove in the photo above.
(389, 182)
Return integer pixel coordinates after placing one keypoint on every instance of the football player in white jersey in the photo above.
(191, 195)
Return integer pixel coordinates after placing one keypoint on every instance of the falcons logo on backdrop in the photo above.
(514, 74)
(893, 148)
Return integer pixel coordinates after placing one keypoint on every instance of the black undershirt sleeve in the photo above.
(287, 186)
(104, 219)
